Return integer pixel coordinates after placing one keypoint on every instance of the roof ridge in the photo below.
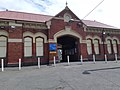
(15, 15)
(27, 13)
(105, 24)
(95, 23)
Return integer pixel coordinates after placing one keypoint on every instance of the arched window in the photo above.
(109, 46)
(3, 46)
(89, 46)
(39, 46)
(96, 46)
(115, 46)
(27, 46)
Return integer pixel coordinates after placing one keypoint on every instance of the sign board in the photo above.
(52, 47)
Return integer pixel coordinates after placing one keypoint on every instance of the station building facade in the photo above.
(28, 36)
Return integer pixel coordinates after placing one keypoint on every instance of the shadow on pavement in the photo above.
(88, 71)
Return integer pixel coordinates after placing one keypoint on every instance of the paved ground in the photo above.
(89, 76)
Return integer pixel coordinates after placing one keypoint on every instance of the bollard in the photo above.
(2, 64)
(105, 58)
(68, 58)
(93, 58)
(54, 62)
(116, 58)
(81, 59)
(38, 62)
(19, 63)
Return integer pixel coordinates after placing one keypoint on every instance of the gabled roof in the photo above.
(13, 15)
(66, 10)
(22, 16)
(90, 23)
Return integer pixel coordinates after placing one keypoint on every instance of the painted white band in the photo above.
(14, 40)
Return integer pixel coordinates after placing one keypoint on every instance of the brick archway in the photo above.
(67, 32)
(68, 46)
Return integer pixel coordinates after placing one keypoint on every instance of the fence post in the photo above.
(116, 57)
(19, 63)
(68, 59)
(54, 62)
(105, 58)
(2, 64)
(38, 62)
(93, 58)
(81, 59)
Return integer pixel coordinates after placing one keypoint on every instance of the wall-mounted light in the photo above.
(71, 20)
(103, 32)
(13, 27)
(2, 27)
(79, 24)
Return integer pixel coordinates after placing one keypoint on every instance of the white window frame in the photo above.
(28, 47)
(115, 46)
(39, 46)
(89, 46)
(109, 47)
(3, 46)
(96, 46)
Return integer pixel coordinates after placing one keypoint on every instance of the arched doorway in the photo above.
(68, 45)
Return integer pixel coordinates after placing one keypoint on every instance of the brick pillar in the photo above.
(34, 49)
(83, 50)
(46, 53)
(15, 45)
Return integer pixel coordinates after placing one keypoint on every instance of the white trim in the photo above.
(67, 32)
(35, 35)
(115, 38)
(48, 23)
(83, 41)
(41, 35)
(27, 33)
(5, 33)
(88, 36)
(14, 40)
(108, 38)
(15, 24)
(97, 37)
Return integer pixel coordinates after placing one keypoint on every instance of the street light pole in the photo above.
(103, 40)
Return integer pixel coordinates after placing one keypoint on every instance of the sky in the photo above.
(108, 12)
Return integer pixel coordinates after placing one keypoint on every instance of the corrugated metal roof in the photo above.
(24, 16)
(90, 23)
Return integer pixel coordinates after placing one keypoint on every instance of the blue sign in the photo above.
(52, 47)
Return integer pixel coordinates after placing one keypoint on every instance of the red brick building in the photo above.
(28, 36)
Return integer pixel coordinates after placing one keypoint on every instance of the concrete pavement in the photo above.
(99, 76)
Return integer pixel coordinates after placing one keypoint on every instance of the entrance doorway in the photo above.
(68, 45)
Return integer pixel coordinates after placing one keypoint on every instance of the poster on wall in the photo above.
(52, 48)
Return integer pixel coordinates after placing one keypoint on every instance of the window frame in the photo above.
(116, 42)
(98, 46)
(36, 47)
(91, 52)
(110, 47)
(6, 45)
(31, 46)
